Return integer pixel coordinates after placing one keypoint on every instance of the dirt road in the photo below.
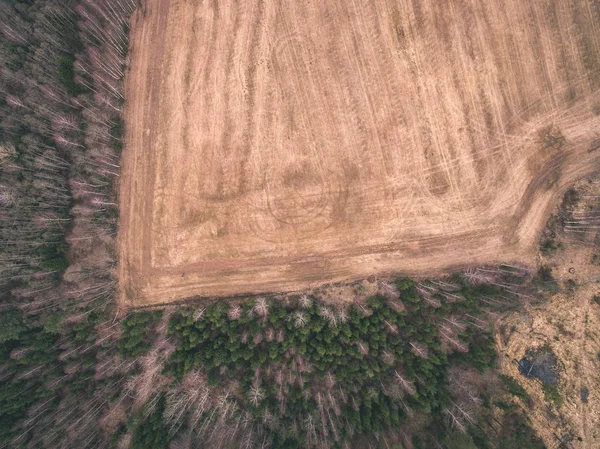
(275, 146)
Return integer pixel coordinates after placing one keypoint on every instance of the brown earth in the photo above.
(276, 146)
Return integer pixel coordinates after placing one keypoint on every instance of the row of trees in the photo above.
(304, 374)
(60, 105)
(61, 96)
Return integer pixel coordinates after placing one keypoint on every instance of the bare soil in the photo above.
(276, 146)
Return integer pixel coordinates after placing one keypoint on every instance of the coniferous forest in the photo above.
(412, 367)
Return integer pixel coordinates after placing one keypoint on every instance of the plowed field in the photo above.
(278, 145)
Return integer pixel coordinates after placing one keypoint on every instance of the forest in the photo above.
(413, 367)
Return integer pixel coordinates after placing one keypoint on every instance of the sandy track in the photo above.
(280, 145)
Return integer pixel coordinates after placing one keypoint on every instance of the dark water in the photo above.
(541, 365)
